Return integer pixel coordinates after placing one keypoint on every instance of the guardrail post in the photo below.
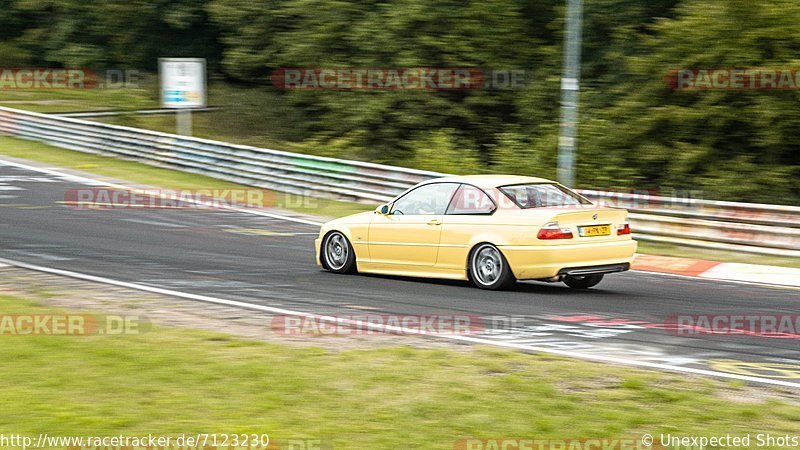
(183, 121)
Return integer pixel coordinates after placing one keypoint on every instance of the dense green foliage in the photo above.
(113, 34)
(635, 131)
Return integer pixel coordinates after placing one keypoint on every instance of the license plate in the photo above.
(595, 230)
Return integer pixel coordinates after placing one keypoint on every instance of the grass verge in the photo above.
(164, 178)
(76, 100)
(172, 381)
(248, 115)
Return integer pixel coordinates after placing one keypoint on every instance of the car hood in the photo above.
(362, 217)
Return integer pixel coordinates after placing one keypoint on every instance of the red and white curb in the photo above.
(722, 271)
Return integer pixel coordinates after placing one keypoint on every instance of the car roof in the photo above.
(491, 181)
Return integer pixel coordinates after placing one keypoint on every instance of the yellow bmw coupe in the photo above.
(489, 229)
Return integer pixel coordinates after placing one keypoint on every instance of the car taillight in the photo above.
(624, 228)
(552, 230)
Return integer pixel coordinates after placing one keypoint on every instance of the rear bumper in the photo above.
(541, 262)
(595, 270)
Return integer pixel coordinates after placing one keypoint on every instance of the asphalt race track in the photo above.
(268, 261)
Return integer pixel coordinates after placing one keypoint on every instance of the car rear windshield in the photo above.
(542, 195)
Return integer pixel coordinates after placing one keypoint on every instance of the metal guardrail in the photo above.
(138, 112)
(753, 228)
(271, 169)
(741, 227)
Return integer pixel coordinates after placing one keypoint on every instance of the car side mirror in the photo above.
(383, 209)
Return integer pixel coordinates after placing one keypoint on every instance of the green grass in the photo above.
(248, 115)
(657, 248)
(207, 125)
(255, 116)
(164, 178)
(75, 100)
(173, 381)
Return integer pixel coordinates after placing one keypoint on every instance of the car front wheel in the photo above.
(488, 269)
(337, 254)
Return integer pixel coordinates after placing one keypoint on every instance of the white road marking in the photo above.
(709, 279)
(154, 223)
(44, 256)
(92, 182)
(396, 329)
(754, 273)
(55, 173)
(16, 179)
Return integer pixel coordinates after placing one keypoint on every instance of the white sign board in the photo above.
(183, 82)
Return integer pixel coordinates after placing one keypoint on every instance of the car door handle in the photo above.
(434, 222)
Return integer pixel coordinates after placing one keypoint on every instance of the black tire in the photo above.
(337, 254)
(584, 281)
(488, 268)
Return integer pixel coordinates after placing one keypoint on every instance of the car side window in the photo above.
(427, 200)
(470, 200)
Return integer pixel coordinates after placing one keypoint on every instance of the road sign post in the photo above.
(570, 92)
(183, 87)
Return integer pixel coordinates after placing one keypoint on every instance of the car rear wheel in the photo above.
(583, 281)
(488, 269)
(337, 254)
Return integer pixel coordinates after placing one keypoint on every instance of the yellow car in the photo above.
(489, 229)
